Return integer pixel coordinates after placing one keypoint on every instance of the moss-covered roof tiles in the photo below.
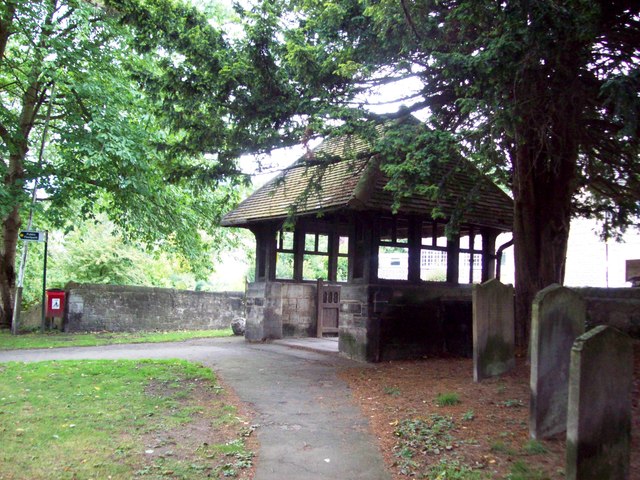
(341, 174)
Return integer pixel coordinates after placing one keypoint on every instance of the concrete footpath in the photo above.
(308, 426)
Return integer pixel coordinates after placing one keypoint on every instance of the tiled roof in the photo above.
(342, 174)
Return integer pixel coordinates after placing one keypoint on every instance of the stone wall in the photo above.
(126, 308)
(280, 309)
(263, 311)
(299, 312)
(31, 319)
(616, 307)
(357, 332)
(389, 322)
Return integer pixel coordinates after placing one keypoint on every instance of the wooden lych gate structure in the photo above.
(402, 280)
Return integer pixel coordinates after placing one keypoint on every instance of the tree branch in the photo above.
(409, 20)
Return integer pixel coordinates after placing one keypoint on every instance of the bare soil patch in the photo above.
(489, 431)
(215, 442)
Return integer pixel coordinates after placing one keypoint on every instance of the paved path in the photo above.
(309, 427)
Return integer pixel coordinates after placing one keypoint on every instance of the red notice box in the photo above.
(55, 303)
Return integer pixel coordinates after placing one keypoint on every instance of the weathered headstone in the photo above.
(633, 272)
(493, 329)
(599, 414)
(557, 319)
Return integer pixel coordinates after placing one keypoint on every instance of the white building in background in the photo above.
(591, 262)
(595, 263)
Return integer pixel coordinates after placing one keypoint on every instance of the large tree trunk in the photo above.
(17, 142)
(6, 25)
(14, 183)
(549, 105)
(10, 227)
(541, 230)
(544, 183)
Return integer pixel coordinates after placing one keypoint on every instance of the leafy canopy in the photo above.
(555, 82)
(137, 103)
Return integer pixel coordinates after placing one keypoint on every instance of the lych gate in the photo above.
(404, 285)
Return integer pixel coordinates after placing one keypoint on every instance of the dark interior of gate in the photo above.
(401, 280)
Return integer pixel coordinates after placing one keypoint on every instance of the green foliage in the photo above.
(534, 447)
(468, 416)
(393, 391)
(539, 96)
(520, 470)
(453, 470)
(512, 403)
(140, 124)
(56, 339)
(93, 416)
(95, 252)
(417, 437)
(284, 266)
(499, 446)
(447, 399)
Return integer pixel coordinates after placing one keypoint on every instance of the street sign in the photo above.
(33, 236)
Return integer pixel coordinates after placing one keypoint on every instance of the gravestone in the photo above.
(493, 329)
(557, 319)
(632, 273)
(599, 414)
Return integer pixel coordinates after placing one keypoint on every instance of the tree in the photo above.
(139, 100)
(541, 94)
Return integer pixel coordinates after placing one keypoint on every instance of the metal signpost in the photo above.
(31, 236)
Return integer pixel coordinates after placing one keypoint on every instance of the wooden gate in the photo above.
(328, 308)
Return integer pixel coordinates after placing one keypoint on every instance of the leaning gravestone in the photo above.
(557, 319)
(599, 414)
(493, 329)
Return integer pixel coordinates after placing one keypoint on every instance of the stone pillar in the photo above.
(263, 311)
(599, 414)
(493, 329)
(557, 319)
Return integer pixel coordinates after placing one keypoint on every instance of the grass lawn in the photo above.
(57, 339)
(118, 420)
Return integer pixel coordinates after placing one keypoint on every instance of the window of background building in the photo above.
(393, 249)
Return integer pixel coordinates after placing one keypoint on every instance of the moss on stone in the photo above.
(496, 356)
(351, 347)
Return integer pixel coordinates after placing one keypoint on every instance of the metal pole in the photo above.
(44, 283)
(15, 320)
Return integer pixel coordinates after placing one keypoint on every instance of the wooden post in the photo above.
(270, 241)
(298, 253)
(334, 246)
(415, 240)
(453, 259)
(319, 309)
(488, 254)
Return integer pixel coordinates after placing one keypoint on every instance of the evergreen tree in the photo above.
(541, 94)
